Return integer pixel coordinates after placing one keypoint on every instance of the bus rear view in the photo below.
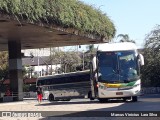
(115, 72)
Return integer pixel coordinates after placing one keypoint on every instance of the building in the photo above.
(40, 66)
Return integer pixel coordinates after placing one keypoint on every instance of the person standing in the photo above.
(8, 92)
(39, 94)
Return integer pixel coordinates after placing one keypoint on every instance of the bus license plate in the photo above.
(119, 93)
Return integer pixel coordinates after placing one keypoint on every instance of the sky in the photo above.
(133, 17)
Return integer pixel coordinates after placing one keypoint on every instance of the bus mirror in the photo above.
(94, 63)
(91, 70)
(90, 65)
(141, 59)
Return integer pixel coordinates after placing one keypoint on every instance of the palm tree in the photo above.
(125, 38)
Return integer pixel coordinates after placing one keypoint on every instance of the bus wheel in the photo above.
(68, 99)
(134, 98)
(51, 97)
(124, 99)
(90, 95)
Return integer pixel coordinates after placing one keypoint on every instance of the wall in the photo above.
(151, 90)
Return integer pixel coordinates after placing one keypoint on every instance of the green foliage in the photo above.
(3, 65)
(26, 87)
(24, 70)
(88, 55)
(125, 38)
(151, 70)
(65, 13)
(68, 60)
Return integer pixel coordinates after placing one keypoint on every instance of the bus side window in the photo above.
(86, 77)
(45, 82)
(38, 82)
(51, 81)
(58, 80)
(54, 80)
(65, 80)
(61, 80)
(68, 79)
(42, 82)
(74, 79)
(80, 78)
(48, 81)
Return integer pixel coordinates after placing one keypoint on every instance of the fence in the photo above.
(30, 95)
(150, 90)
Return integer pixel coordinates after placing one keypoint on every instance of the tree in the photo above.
(150, 72)
(3, 65)
(89, 54)
(3, 69)
(25, 71)
(91, 49)
(68, 60)
(72, 61)
(125, 38)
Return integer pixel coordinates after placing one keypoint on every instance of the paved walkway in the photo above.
(26, 107)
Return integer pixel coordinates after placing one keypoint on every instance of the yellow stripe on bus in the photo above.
(112, 85)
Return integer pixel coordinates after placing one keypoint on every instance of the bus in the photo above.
(115, 72)
(65, 86)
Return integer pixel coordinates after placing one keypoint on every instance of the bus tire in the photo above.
(124, 99)
(134, 98)
(90, 95)
(67, 99)
(51, 97)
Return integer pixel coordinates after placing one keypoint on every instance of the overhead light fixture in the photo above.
(50, 31)
(27, 46)
(20, 25)
(62, 34)
(3, 21)
(92, 41)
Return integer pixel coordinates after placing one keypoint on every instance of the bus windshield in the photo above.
(118, 66)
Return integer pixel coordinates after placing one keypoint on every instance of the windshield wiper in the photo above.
(130, 79)
(109, 81)
(133, 79)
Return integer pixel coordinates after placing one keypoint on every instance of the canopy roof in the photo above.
(45, 23)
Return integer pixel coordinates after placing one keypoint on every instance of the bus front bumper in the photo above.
(115, 93)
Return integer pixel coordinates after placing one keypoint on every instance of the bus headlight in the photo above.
(102, 87)
(125, 88)
(136, 85)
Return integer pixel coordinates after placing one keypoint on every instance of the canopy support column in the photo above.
(15, 69)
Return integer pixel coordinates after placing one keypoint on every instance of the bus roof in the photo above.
(117, 46)
(62, 75)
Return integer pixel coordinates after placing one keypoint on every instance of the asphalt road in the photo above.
(145, 106)
(80, 109)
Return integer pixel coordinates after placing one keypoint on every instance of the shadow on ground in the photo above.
(145, 104)
(76, 102)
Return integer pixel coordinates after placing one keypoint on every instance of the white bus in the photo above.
(115, 72)
(66, 86)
